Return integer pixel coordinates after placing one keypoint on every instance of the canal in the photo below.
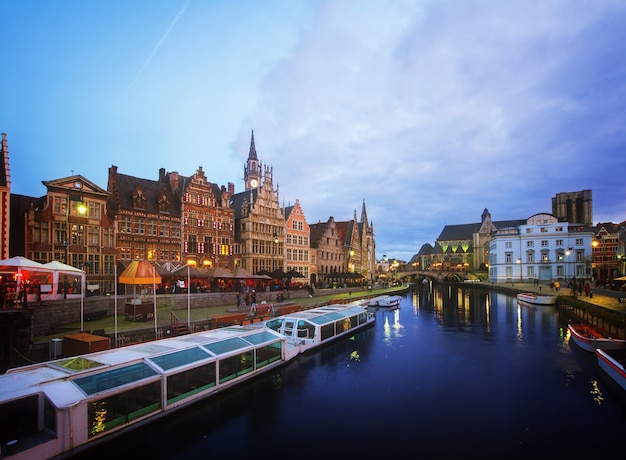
(454, 371)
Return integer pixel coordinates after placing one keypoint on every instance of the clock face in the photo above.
(77, 184)
(254, 182)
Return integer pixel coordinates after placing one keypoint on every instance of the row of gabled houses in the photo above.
(179, 220)
(542, 247)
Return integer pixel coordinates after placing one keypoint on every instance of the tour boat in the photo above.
(590, 338)
(308, 329)
(613, 363)
(385, 301)
(534, 298)
(60, 407)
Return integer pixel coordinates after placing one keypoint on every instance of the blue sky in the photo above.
(429, 111)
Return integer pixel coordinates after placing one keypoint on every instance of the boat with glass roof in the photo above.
(308, 329)
(60, 407)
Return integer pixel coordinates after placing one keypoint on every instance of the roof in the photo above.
(466, 231)
(237, 200)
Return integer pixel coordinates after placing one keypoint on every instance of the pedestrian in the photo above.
(238, 300)
(557, 286)
(587, 289)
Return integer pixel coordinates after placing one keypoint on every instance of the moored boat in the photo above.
(591, 338)
(390, 301)
(60, 407)
(538, 299)
(613, 363)
(308, 329)
(385, 300)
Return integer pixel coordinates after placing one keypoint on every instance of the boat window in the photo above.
(225, 346)
(288, 327)
(121, 408)
(261, 337)
(234, 366)
(114, 378)
(190, 382)
(305, 330)
(275, 324)
(180, 358)
(268, 354)
(77, 364)
(327, 331)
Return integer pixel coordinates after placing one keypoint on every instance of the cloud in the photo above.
(432, 111)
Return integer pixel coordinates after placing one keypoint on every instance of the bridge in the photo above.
(433, 275)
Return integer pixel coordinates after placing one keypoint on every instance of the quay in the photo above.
(206, 311)
(604, 308)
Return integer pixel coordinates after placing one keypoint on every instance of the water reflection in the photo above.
(454, 372)
(392, 329)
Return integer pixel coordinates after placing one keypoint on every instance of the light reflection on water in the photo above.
(452, 372)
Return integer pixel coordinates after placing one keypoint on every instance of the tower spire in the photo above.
(252, 154)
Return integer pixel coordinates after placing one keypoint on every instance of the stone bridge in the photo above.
(434, 275)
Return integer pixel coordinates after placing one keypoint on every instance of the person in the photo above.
(238, 300)
(557, 286)
(587, 289)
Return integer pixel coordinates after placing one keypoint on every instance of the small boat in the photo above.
(535, 298)
(390, 301)
(61, 407)
(613, 363)
(385, 300)
(591, 338)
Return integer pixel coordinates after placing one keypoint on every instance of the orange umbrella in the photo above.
(140, 272)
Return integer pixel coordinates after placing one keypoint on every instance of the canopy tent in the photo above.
(294, 274)
(21, 272)
(140, 273)
(242, 273)
(67, 281)
(188, 270)
(220, 272)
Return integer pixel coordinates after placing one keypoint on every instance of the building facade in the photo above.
(606, 264)
(5, 198)
(297, 242)
(259, 219)
(542, 249)
(147, 218)
(208, 223)
(69, 224)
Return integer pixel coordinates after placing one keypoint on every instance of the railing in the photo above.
(173, 318)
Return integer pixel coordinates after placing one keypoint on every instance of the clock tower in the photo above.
(252, 169)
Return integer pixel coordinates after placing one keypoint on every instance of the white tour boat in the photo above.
(60, 407)
(308, 329)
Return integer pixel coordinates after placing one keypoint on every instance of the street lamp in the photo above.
(275, 250)
(80, 209)
(567, 262)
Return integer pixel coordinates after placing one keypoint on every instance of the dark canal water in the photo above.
(452, 372)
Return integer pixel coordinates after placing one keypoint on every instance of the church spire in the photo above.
(363, 213)
(252, 169)
(252, 154)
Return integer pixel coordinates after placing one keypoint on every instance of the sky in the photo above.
(427, 111)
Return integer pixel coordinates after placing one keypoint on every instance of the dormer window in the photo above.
(139, 199)
(163, 203)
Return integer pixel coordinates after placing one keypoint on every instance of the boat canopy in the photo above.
(68, 380)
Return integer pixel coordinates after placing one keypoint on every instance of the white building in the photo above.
(543, 249)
